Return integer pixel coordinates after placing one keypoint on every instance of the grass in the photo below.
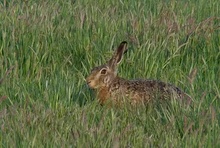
(47, 48)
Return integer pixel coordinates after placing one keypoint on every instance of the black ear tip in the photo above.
(124, 45)
(124, 42)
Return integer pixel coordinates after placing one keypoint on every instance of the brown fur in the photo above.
(118, 90)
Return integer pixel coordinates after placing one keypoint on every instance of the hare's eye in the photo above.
(103, 71)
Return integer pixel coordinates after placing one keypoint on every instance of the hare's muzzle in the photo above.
(89, 82)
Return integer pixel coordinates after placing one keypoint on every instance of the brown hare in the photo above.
(117, 90)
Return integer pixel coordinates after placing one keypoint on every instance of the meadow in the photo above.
(47, 49)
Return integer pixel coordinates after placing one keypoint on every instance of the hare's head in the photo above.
(102, 76)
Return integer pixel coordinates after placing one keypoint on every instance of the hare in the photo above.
(111, 87)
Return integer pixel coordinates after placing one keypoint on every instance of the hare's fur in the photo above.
(111, 87)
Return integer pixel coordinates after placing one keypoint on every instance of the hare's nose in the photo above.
(88, 81)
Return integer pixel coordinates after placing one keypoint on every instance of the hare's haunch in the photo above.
(111, 87)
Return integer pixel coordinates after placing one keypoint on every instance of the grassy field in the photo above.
(47, 48)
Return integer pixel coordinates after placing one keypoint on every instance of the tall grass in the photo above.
(47, 49)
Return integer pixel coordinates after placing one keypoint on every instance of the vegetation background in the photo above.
(47, 48)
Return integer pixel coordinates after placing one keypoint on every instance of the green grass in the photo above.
(47, 48)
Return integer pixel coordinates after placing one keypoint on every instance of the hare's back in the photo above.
(153, 88)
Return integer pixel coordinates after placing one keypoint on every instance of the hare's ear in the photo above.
(117, 57)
